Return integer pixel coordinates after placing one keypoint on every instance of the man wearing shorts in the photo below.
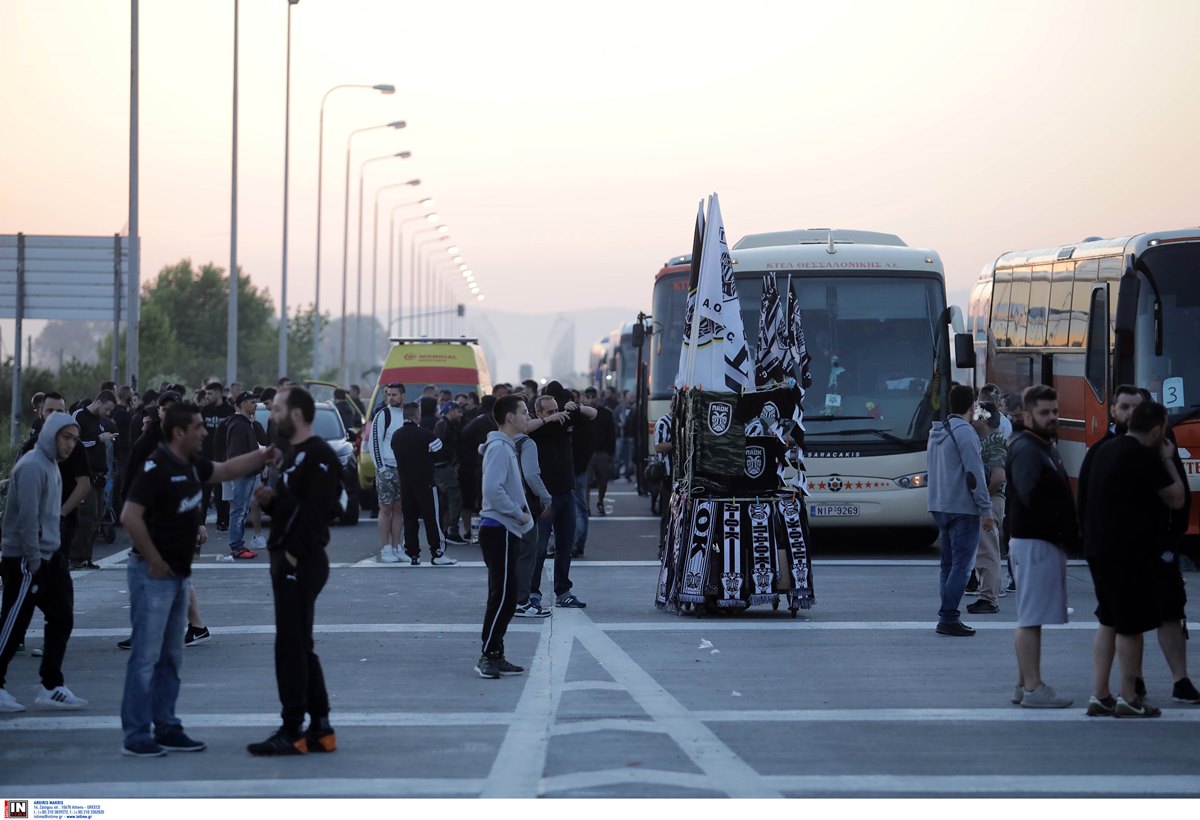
(387, 420)
(1130, 482)
(1042, 522)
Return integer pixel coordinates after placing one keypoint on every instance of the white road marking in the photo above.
(295, 787)
(588, 685)
(1000, 785)
(617, 777)
(581, 727)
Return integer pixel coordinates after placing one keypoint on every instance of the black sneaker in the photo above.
(454, 537)
(973, 584)
(280, 744)
(415, 560)
(176, 740)
(1012, 585)
(955, 630)
(487, 668)
(1185, 692)
(197, 635)
(143, 748)
(577, 552)
(983, 607)
(320, 736)
(126, 644)
(507, 668)
(600, 510)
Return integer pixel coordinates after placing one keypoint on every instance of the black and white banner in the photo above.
(731, 555)
(695, 569)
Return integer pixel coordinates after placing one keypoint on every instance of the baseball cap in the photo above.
(245, 394)
(446, 407)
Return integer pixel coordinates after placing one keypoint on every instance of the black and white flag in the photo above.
(720, 359)
(690, 311)
(773, 359)
(795, 339)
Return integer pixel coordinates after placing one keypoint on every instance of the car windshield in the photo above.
(1174, 377)
(872, 342)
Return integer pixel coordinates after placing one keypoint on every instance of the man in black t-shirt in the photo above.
(93, 438)
(216, 410)
(301, 502)
(163, 515)
(1130, 480)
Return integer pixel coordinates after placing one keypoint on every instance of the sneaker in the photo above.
(551, 552)
(1002, 593)
(983, 607)
(507, 668)
(487, 668)
(388, 555)
(243, 554)
(443, 561)
(176, 740)
(1185, 692)
(955, 630)
(1101, 707)
(577, 552)
(414, 560)
(454, 538)
(1012, 585)
(1140, 708)
(320, 736)
(143, 748)
(973, 584)
(259, 542)
(600, 509)
(531, 611)
(1018, 694)
(60, 697)
(197, 635)
(126, 644)
(36, 652)
(1044, 697)
(279, 744)
(570, 602)
(8, 703)
(82, 565)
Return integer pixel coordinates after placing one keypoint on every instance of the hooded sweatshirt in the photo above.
(31, 516)
(503, 493)
(956, 478)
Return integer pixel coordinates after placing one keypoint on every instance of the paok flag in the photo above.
(693, 280)
(720, 359)
(773, 359)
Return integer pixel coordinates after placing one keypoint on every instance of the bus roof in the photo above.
(845, 255)
(1090, 248)
(817, 236)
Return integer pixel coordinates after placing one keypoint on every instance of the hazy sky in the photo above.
(567, 144)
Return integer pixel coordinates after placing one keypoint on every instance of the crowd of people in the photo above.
(1000, 495)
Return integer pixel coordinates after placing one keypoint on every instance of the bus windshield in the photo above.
(1174, 377)
(872, 340)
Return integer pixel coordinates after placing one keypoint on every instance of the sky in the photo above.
(566, 145)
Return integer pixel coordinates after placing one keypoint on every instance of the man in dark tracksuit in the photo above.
(214, 412)
(416, 449)
(300, 502)
(92, 437)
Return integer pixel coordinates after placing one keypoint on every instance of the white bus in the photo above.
(871, 308)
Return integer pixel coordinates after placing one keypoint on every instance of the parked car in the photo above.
(328, 425)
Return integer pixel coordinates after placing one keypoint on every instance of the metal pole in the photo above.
(374, 271)
(362, 173)
(287, 144)
(316, 320)
(391, 264)
(116, 339)
(345, 251)
(16, 376)
(231, 336)
(132, 323)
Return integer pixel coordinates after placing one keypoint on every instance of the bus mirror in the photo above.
(964, 351)
(639, 334)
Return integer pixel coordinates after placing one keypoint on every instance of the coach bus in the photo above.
(871, 309)
(1086, 317)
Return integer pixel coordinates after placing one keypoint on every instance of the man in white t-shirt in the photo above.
(387, 420)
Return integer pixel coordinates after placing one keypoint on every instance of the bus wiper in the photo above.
(881, 433)
(836, 418)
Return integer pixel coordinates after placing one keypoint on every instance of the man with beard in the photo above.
(163, 514)
(1041, 514)
(300, 503)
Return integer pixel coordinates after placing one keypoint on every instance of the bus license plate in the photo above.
(833, 510)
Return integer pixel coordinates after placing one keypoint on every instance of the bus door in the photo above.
(1097, 371)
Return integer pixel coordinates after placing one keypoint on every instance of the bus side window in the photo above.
(1039, 305)
(1018, 308)
(1081, 301)
(1000, 308)
(1058, 330)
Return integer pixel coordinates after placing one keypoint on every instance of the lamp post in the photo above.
(346, 230)
(399, 248)
(287, 126)
(438, 321)
(413, 296)
(316, 329)
(375, 238)
(362, 172)
(232, 320)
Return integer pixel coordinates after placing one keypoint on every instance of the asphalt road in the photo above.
(857, 697)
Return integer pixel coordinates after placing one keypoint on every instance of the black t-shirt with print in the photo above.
(172, 493)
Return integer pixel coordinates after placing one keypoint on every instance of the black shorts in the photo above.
(1126, 595)
(1172, 597)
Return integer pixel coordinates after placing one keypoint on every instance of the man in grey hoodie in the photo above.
(505, 517)
(34, 566)
(959, 501)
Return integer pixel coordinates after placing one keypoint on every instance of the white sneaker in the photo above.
(60, 697)
(388, 555)
(443, 561)
(259, 542)
(8, 703)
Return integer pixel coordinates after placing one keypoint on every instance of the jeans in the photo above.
(960, 538)
(581, 510)
(562, 521)
(158, 612)
(239, 507)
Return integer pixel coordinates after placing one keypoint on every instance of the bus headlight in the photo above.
(913, 481)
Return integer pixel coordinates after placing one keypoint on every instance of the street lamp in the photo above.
(414, 277)
(232, 316)
(287, 136)
(383, 89)
(362, 172)
(412, 183)
(399, 275)
(346, 227)
(437, 289)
